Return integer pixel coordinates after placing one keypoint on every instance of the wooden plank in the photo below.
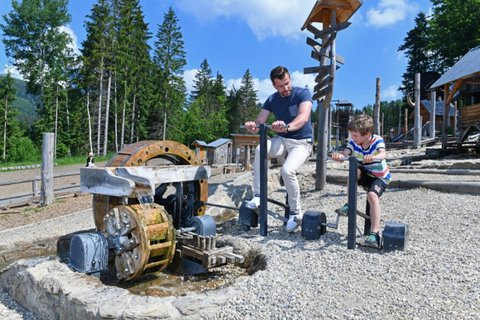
(317, 69)
(314, 44)
(321, 94)
(336, 28)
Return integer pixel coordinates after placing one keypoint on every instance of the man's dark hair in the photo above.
(278, 73)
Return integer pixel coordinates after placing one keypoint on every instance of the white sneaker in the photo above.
(292, 223)
(253, 204)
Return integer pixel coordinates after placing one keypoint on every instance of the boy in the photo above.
(373, 176)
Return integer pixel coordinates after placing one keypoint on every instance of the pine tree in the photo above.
(169, 59)
(454, 29)
(7, 96)
(42, 53)
(415, 47)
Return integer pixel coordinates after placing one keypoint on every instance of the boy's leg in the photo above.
(375, 191)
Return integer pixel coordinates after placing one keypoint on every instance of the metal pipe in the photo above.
(263, 180)
(352, 202)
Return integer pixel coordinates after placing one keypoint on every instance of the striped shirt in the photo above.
(377, 170)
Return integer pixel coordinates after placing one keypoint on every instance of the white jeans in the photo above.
(297, 152)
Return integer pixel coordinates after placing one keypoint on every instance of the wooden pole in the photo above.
(433, 104)
(405, 128)
(446, 117)
(417, 131)
(376, 110)
(47, 196)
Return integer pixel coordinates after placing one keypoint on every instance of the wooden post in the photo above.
(376, 109)
(417, 131)
(446, 117)
(47, 196)
(455, 119)
(433, 104)
(405, 129)
(382, 127)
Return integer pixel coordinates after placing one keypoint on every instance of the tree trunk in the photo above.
(132, 125)
(89, 123)
(99, 115)
(56, 124)
(107, 115)
(122, 135)
(165, 115)
(5, 130)
(376, 110)
(115, 116)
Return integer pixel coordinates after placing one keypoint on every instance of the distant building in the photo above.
(219, 151)
(200, 150)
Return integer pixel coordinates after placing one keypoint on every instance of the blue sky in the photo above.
(236, 35)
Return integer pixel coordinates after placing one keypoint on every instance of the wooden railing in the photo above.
(34, 195)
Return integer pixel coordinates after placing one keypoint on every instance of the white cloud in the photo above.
(74, 44)
(188, 77)
(263, 87)
(13, 71)
(389, 12)
(265, 18)
(390, 93)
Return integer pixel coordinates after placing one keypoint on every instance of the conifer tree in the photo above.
(169, 60)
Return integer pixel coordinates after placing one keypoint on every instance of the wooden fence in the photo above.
(34, 195)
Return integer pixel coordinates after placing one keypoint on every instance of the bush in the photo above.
(22, 149)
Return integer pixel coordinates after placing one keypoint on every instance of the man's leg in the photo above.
(275, 149)
(298, 152)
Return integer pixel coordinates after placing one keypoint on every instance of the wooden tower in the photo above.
(333, 16)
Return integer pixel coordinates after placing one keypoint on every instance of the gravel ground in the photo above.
(436, 277)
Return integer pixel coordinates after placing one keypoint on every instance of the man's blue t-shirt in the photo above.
(286, 109)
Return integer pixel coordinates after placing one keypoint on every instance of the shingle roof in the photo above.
(467, 66)
(219, 142)
(439, 107)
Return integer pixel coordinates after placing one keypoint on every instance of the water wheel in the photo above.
(143, 234)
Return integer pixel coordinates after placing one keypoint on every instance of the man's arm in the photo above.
(251, 126)
(304, 111)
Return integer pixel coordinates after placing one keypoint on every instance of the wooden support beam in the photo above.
(318, 69)
(336, 28)
(322, 93)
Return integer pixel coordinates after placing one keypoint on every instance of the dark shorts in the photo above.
(371, 184)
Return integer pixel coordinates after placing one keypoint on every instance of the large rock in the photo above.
(51, 290)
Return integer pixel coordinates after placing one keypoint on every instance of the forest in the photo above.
(121, 90)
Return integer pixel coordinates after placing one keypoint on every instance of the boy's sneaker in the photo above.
(292, 223)
(372, 240)
(254, 203)
(343, 211)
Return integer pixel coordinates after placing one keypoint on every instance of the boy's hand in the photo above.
(368, 158)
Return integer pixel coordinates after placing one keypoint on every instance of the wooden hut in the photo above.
(463, 82)
(219, 151)
(244, 145)
(200, 150)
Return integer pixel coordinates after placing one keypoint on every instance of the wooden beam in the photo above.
(456, 87)
(318, 69)
(336, 28)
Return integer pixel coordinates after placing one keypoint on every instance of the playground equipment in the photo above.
(148, 214)
(314, 223)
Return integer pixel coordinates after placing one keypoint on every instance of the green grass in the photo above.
(58, 162)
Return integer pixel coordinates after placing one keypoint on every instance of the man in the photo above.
(292, 107)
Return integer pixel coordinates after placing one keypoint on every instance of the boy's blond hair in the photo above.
(361, 123)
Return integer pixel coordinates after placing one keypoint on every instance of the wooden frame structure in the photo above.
(333, 15)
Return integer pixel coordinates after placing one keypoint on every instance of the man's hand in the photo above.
(251, 126)
(338, 156)
(279, 126)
